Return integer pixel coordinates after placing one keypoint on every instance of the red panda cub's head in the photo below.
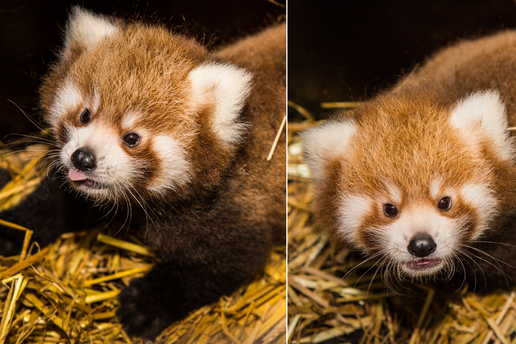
(139, 112)
(409, 178)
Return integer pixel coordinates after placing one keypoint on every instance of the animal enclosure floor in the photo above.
(66, 292)
(332, 298)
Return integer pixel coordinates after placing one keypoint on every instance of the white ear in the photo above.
(325, 141)
(224, 88)
(85, 29)
(482, 116)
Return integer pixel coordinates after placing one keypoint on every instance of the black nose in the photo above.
(421, 245)
(84, 160)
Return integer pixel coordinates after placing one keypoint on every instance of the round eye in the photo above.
(85, 116)
(132, 140)
(445, 203)
(390, 210)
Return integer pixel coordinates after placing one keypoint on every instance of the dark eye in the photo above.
(390, 210)
(132, 139)
(85, 116)
(444, 203)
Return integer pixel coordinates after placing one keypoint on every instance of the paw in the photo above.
(167, 293)
(143, 312)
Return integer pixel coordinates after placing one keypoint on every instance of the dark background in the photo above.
(31, 34)
(338, 50)
(351, 50)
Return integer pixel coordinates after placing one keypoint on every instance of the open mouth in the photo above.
(82, 180)
(90, 184)
(422, 264)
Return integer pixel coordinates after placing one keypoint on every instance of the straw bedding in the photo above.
(331, 302)
(66, 292)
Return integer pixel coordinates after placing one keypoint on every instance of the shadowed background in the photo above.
(351, 50)
(31, 34)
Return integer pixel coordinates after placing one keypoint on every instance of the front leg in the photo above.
(48, 212)
(170, 291)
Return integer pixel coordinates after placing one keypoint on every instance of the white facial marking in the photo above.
(325, 141)
(484, 201)
(175, 167)
(480, 116)
(396, 236)
(114, 166)
(435, 187)
(225, 87)
(352, 213)
(68, 98)
(130, 118)
(95, 103)
(394, 192)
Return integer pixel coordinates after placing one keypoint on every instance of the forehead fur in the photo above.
(408, 140)
(136, 67)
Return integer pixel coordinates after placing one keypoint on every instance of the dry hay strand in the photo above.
(66, 292)
(333, 297)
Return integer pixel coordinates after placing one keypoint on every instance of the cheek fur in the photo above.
(208, 159)
(355, 212)
(173, 167)
(466, 217)
(482, 205)
(328, 200)
(371, 234)
(71, 120)
(144, 161)
(61, 133)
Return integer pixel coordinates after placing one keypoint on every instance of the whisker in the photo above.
(361, 263)
(497, 267)
(490, 256)
(37, 125)
(493, 242)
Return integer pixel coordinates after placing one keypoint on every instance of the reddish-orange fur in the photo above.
(406, 138)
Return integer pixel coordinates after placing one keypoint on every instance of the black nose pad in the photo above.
(421, 245)
(84, 160)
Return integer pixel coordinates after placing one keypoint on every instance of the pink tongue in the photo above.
(76, 175)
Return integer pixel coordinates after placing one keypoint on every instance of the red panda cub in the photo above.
(152, 122)
(423, 178)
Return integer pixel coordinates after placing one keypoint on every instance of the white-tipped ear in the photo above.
(85, 29)
(325, 141)
(481, 116)
(224, 88)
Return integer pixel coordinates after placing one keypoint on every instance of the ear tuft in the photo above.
(85, 29)
(325, 141)
(482, 116)
(224, 88)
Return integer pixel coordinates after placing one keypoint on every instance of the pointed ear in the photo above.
(223, 88)
(84, 30)
(482, 116)
(325, 141)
